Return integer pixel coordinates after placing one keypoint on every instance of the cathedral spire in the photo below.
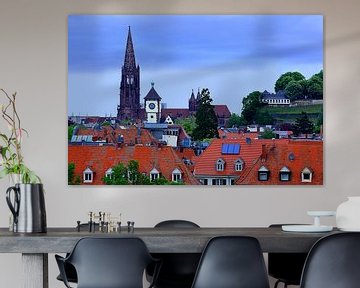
(129, 108)
(129, 62)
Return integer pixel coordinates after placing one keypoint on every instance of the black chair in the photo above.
(286, 267)
(333, 262)
(178, 269)
(69, 269)
(232, 262)
(108, 263)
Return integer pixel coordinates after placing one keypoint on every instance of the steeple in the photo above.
(192, 97)
(129, 62)
(129, 108)
(192, 102)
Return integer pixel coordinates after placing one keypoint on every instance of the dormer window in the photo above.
(263, 174)
(176, 175)
(109, 173)
(284, 174)
(220, 165)
(239, 165)
(306, 175)
(88, 175)
(154, 174)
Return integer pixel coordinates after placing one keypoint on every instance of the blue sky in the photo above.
(232, 55)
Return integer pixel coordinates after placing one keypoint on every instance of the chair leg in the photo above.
(279, 281)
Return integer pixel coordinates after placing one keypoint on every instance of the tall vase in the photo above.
(348, 214)
(27, 204)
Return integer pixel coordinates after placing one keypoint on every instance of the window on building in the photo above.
(218, 181)
(88, 175)
(239, 165)
(154, 174)
(306, 175)
(109, 173)
(204, 181)
(176, 175)
(220, 165)
(284, 174)
(263, 174)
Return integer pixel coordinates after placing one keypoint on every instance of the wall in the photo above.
(33, 62)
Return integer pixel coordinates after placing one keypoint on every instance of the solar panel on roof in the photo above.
(230, 148)
(236, 148)
(224, 148)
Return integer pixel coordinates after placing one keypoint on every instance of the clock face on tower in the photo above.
(152, 106)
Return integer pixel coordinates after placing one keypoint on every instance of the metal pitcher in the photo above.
(28, 207)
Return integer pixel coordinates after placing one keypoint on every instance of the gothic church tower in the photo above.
(129, 107)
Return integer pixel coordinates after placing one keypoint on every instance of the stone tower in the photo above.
(129, 108)
(192, 102)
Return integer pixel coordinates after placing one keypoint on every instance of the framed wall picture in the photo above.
(195, 100)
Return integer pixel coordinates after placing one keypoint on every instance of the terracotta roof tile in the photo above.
(295, 155)
(100, 158)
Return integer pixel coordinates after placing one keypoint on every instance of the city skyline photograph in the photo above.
(195, 100)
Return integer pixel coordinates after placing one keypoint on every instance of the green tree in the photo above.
(320, 75)
(294, 90)
(268, 134)
(160, 181)
(188, 123)
(319, 123)
(286, 78)
(130, 175)
(72, 178)
(119, 175)
(105, 123)
(315, 87)
(263, 118)
(71, 172)
(133, 172)
(70, 131)
(206, 120)
(303, 125)
(251, 104)
(235, 121)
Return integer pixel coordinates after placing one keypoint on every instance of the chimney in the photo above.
(263, 152)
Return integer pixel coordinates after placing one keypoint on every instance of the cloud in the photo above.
(232, 55)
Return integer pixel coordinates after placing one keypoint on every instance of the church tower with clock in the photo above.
(129, 108)
(152, 106)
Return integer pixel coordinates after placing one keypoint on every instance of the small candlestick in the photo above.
(78, 225)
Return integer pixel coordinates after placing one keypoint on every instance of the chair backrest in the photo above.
(110, 262)
(232, 262)
(176, 224)
(178, 269)
(286, 267)
(333, 262)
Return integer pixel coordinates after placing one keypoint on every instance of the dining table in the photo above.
(35, 247)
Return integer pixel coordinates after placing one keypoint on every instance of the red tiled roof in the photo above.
(223, 133)
(187, 153)
(130, 135)
(307, 154)
(100, 158)
(205, 164)
(222, 111)
(175, 112)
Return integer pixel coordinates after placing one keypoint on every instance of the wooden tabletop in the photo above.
(158, 240)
